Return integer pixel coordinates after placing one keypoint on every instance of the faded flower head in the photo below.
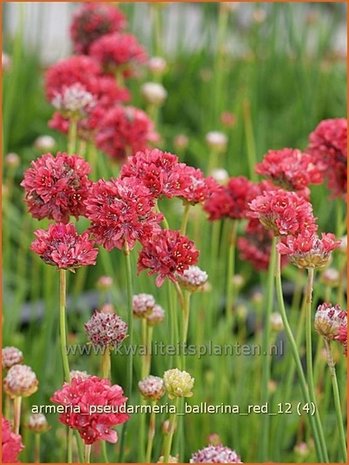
(152, 387)
(105, 283)
(220, 175)
(142, 304)
(307, 250)
(290, 169)
(217, 141)
(92, 21)
(284, 213)
(44, 143)
(342, 335)
(12, 160)
(74, 101)
(82, 394)
(20, 381)
(56, 186)
(178, 383)
(154, 93)
(11, 443)
(192, 279)
(167, 254)
(62, 246)
(156, 316)
(106, 329)
(125, 130)
(215, 454)
(37, 422)
(79, 374)
(11, 356)
(329, 319)
(121, 212)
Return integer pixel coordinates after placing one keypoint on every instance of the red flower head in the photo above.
(92, 21)
(63, 247)
(255, 245)
(82, 397)
(124, 131)
(284, 213)
(65, 73)
(197, 189)
(230, 201)
(329, 321)
(290, 169)
(342, 336)
(166, 254)
(118, 52)
(11, 443)
(328, 145)
(55, 187)
(160, 171)
(307, 250)
(121, 212)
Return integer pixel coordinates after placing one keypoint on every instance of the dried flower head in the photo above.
(20, 381)
(106, 329)
(215, 454)
(11, 356)
(152, 387)
(154, 93)
(329, 319)
(56, 186)
(92, 21)
(121, 212)
(82, 395)
(11, 443)
(192, 279)
(142, 304)
(156, 316)
(167, 254)
(37, 423)
(62, 246)
(307, 250)
(178, 383)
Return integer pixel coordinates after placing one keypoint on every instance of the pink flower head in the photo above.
(290, 169)
(284, 213)
(118, 52)
(307, 250)
(342, 336)
(215, 454)
(230, 201)
(92, 21)
(56, 187)
(255, 244)
(166, 254)
(328, 146)
(160, 171)
(124, 131)
(11, 443)
(69, 71)
(106, 329)
(121, 212)
(196, 188)
(329, 321)
(81, 397)
(62, 246)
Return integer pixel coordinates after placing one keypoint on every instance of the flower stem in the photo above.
(105, 366)
(169, 437)
(294, 350)
(72, 135)
(37, 448)
(151, 434)
(87, 453)
(185, 218)
(230, 274)
(17, 402)
(269, 299)
(62, 322)
(337, 402)
(309, 352)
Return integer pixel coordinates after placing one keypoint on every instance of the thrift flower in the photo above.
(11, 443)
(329, 319)
(152, 388)
(20, 381)
(193, 278)
(178, 383)
(215, 454)
(106, 329)
(11, 356)
(142, 305)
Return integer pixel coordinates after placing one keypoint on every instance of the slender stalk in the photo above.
(337, 402)
(72, 135)
(266, 363)
(87, 453)
(37, 448)
(106, 364)
(299, 368)
(230, 274)
(17, 403)
(250, 141)
(104, 452)
(151, 434)
(169, 436)
(62, 322)
(185, 218)
(69, 445)
(149, 330)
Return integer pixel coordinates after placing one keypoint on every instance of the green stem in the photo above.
(250, 142)
(69, 445)
(72, 135)
(104, 452)
(337, 402)
(230, 274)
(87, 453)
(149, 330)
(106, 364)
(169, 436)
(17, 402)
(37, 448)
(151, 434)
(294, 350)
(185, 218)
(185, 325)
(62, 323)
(266, 367)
